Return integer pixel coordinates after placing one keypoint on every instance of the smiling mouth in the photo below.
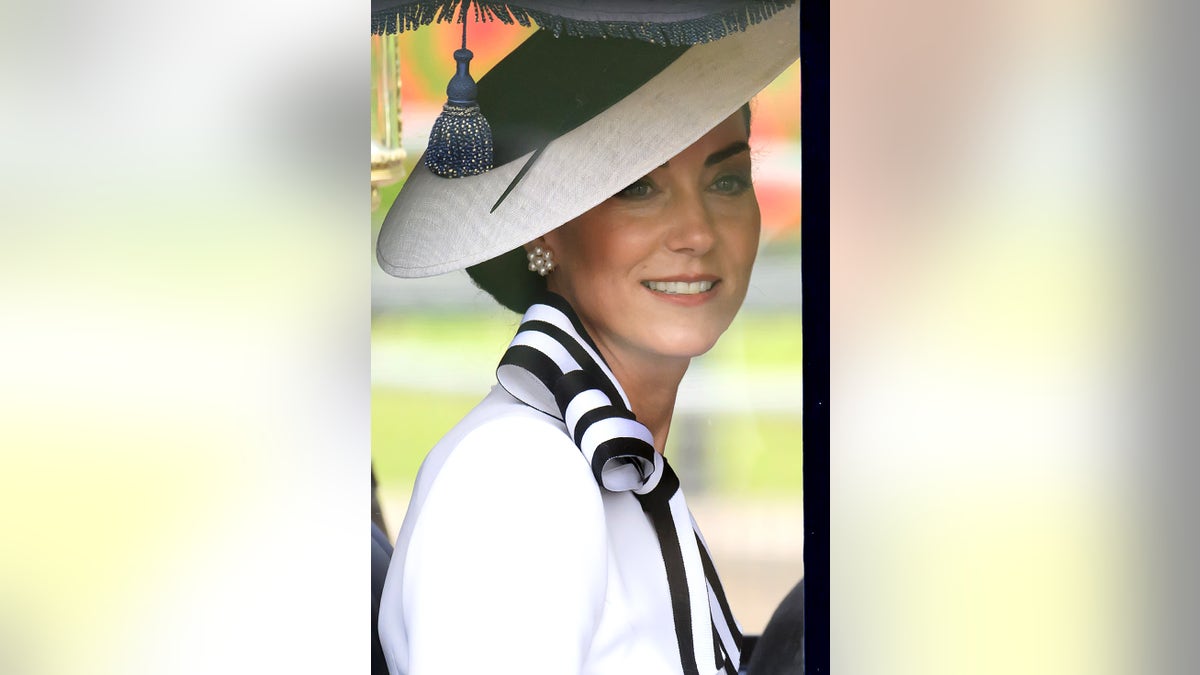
(679, 287)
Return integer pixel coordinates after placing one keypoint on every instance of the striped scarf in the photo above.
(553, 365)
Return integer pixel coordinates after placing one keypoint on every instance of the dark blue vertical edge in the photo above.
(814, 256)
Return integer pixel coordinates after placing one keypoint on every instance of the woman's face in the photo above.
(661, 268)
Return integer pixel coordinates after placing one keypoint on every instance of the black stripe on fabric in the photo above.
(558, 302)
(559, 336)
(620, 447)
(659, 511)
(657, 506)
(590, 417)
(581, 356)
(533, 360)
(724, 663)
(719, 650)
(710, 572)
(668, 485)
(575, 383)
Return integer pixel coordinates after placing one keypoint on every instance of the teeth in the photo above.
(678, 287)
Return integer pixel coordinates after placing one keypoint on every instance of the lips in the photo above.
(680, 287)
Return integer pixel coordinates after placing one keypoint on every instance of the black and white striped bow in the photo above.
(553, 365)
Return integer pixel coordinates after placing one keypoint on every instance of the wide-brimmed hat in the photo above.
(574, 121)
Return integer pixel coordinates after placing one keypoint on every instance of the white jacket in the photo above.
(511, 560)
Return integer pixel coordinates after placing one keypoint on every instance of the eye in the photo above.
(731, 184)
(636, 190)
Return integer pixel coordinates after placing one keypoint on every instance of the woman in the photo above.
(546, 531)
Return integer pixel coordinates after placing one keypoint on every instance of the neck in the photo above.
(651, 385)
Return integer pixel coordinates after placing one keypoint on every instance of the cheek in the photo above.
(753, 228)
(744, 236)
(609, 249)
(751, 234)
(585, 256)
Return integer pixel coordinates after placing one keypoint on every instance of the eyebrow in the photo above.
(726, 152)
(720, 155)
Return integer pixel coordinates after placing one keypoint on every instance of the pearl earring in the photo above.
(541, 260)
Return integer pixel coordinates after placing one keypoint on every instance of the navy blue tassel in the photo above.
(460, 143)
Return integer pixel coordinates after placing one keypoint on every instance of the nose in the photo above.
(691, 227)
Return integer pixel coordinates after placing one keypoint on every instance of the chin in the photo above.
(687, 345)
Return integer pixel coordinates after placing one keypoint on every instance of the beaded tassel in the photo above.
(460, 143)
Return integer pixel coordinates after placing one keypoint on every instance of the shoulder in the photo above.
(506, 470)
(518, 460)
(510, 530)
(503, 446)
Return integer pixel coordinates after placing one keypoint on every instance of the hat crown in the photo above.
(550, 85)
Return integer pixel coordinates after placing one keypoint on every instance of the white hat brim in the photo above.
(438, 224)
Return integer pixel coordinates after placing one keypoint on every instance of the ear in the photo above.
(540, 241)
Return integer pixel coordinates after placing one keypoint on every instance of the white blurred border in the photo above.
(185, 325)
(987, 511)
